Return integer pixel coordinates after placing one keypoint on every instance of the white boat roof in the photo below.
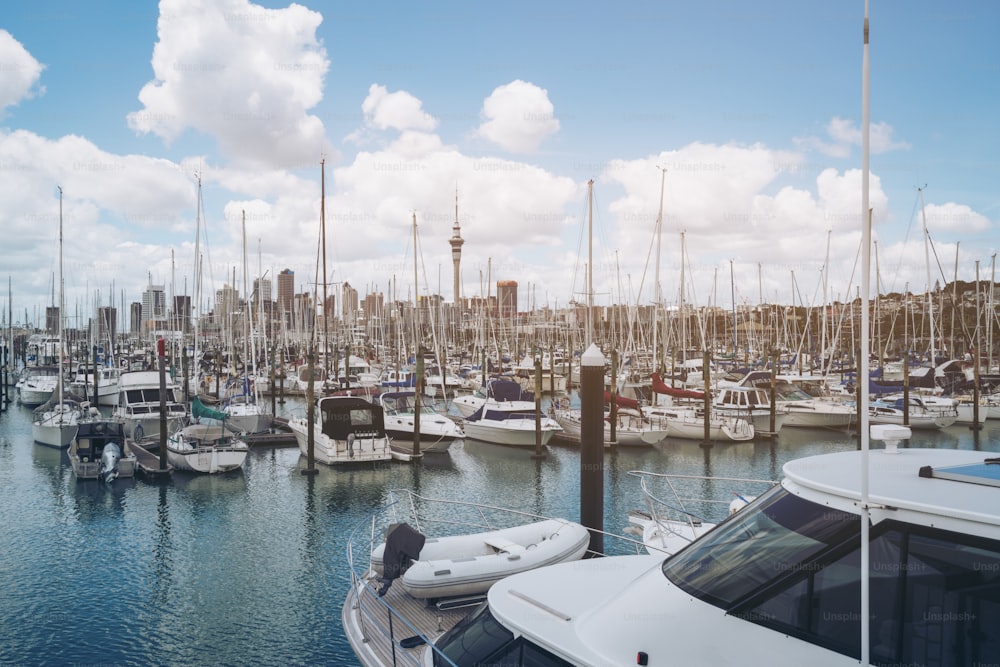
(538, 602)
(135, 379)
(967, 506)
(614, 616)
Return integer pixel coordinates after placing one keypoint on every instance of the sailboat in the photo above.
(57, 421)
(245, 411)
(212, 445)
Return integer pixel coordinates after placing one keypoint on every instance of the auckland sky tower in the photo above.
(456, 242)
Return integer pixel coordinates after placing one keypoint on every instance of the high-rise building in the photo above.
(348, 303)
(227, 302)
(107, 325)
(181, 316)
(261, 291)
(507, 298)
(374, 306)
(286, 294)
(154, 308)
(135, 318)
(456, 242)
(52, 320)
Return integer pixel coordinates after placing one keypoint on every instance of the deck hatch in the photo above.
(986, 473)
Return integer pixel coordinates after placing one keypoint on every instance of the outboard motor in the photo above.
(109, 462)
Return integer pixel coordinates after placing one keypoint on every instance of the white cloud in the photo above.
(729, 203)
(952, 217)
(518, 116)
(244, 74)
(110, 203)
(507, 209)
(19, 72)
(843, 134)
(399, 110)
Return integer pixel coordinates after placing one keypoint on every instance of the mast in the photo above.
(416, 294)
(680, 306)
(863, 373)
(927, 262)
(322, 227)
(60, 315)
(826, 304)
(732, 295)
(196, 306)
(248, 316)
(658, 296)
(989, 311)
(590, 262)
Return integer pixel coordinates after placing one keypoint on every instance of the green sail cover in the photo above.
(199, 409)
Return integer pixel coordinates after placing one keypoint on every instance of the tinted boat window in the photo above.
(473, 639)
(481, 641)
(755, 547)
(934, 600)
(948, 612)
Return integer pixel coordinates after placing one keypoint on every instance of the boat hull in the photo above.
(208, 460)
(463, 565)
(627, 434)
(250, 423)
(332, 451)
(32, 398)
(512, 432)
(206, 448)
(812, 416)
(53, 434)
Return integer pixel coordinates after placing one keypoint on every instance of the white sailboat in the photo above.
(56, 423)
(246, 412)
(206, 448)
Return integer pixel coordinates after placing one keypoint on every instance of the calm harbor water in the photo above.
(249, 568)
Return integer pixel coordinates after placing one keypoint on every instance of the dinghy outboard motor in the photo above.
(402, 546)
(109, 462)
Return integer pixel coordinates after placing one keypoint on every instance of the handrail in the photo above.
(391, 512)
(653, 501)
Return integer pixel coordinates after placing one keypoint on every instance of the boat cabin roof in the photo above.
(901, 489)
(939, 493)
(342, 416)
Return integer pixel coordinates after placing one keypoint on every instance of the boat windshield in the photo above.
(777, 535)
(933, 593)
(479, 639)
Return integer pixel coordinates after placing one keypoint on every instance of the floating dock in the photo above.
(148, 462)
(279, 435)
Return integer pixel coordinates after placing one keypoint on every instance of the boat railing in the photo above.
(407, 506)
(702, 507)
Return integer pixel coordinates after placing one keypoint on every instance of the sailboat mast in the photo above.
(590, 262)
(196, 288)
(732, 296)
(322, 228)
(416, 293)
(989, 310)
(60, 313)
(927, 262)
(658, 296)
(680, 307)
(826, 304)
(863, 373)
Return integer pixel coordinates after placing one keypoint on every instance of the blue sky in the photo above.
(754, 112)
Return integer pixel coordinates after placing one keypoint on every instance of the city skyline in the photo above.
(752, 112)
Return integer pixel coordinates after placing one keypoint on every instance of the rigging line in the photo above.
(906, 238)
(937, 260)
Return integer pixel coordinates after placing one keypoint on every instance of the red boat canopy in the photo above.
(660, 387)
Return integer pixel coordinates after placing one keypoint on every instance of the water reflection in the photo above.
(247, 568)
